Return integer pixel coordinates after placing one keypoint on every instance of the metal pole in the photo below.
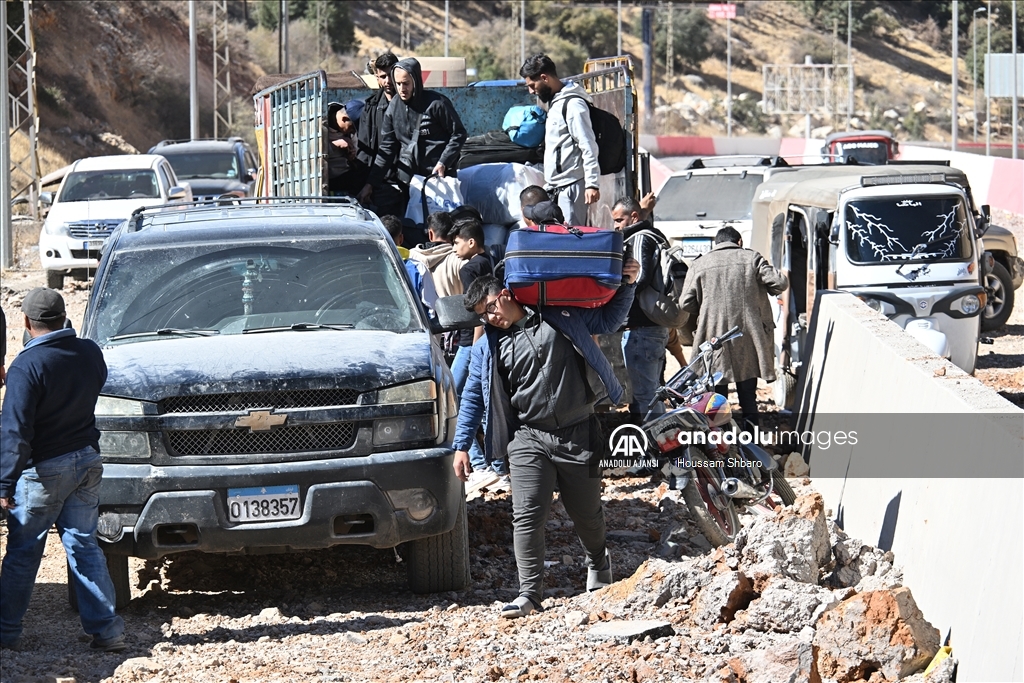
(6, 241)
(988, 98)
(447, 20)
(974, 43)
(849, 61)
(648, 37)
(670, 35)
(955, 123)
(284, 34)
(619, 44)
(522, 32)
(728, 77)
(1016, 82)
(193, 74)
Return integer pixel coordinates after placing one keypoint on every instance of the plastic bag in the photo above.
(494, 189)
(432, 194)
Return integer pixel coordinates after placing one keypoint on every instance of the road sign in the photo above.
(722, 11)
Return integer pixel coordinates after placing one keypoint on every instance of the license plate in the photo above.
(92, 245)
(695, 246)
(264, 503)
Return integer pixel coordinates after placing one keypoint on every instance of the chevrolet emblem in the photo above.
(261, 420)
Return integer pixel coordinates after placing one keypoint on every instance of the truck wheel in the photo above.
(117, 566)
(441, 563)
(1000, 298)
(55, 279)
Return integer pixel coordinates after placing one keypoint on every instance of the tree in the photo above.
(690, 41)
(341, 30)
(825, 13)
(593, 30)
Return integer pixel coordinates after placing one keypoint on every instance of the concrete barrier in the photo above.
(946, 501)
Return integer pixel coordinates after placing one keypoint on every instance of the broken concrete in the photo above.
(627, 631)
(793, 544)
(881, 631)
(786, 606)
(722, 598)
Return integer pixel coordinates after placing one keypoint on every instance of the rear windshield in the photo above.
(866, 152)
(710, 197)
(893, 229)
(220, 165)
(229, 289)
(83, 186)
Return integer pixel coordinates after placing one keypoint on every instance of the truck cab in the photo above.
(904, 239)
(868, 147)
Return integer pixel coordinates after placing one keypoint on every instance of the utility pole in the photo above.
(222, 69)
(283, 24)
(193, 73)
(956, 59)
(1016, 76)
(648, 38)
(447, 20)
(6, 243)
(974, 43)
(21, 118)
(522, 37)
(669, 58)
(619, 37)
(849, 61)
(728, 76)
(988, 98)
(405, 26)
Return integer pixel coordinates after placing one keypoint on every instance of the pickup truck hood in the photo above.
(362, 360)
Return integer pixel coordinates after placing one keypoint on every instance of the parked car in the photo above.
(1005, 275)
(274, 385)
(214, 168)
(95, 196)
(711, 193)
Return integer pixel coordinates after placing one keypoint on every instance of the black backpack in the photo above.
(609, 134)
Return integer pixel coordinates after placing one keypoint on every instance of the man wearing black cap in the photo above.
(50, 470)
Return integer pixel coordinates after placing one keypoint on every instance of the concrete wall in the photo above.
(960, 540)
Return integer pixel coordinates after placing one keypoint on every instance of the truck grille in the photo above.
(298, 439)
(92, 230)
(218, 403)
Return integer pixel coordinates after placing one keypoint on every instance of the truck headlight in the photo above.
(409, 393)
(125, 445)
(55, 228)
(108, 406)
(404, 429)
(970, 304)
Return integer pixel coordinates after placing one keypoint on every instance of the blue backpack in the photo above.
(525, 125)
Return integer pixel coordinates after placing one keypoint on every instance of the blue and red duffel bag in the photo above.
(559, 265)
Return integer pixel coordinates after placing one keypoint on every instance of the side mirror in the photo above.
(452, 315)
(250, 175)
(177, 193)
(986, 219)
(833, 234)
(45, 198)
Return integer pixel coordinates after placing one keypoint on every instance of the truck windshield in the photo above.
(83, 186)
(891, 229)
(707, 197)
(232, 289)
(204, 165)
(864, 151)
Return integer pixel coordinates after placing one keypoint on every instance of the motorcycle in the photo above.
(703, 451)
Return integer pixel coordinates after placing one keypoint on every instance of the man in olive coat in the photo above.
(729, 286)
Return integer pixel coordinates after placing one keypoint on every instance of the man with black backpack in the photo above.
(571, 168)
(655, 307)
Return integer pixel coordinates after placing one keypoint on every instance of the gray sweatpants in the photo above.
(537, 460)
(571, 199)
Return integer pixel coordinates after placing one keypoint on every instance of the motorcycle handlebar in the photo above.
(718, 342)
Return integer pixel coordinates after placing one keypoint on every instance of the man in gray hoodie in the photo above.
(571, 171)
(421, 134)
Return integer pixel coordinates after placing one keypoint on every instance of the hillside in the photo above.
(113, 76)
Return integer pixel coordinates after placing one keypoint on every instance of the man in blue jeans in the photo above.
(50, 471)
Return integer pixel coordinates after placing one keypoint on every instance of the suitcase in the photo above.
(496, 147)
(558, 265)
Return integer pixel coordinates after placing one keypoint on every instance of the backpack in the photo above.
(609, 134)
(661, 300)
(525, 125)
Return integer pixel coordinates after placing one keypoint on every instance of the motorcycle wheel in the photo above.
(713, 511)
(782, 489)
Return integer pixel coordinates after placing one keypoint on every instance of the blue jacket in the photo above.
(52, 387)
(484, 398)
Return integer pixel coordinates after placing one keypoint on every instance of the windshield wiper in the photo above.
(300, 326)
(166, 332)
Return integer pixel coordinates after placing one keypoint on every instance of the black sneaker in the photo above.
(115, 644)
(13, 646)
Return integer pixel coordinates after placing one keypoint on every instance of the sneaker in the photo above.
(503, 484)
(520, 607)
(599, 578)
(115, 644)
(13, 646)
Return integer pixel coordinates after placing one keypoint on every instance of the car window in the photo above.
(221, 165)
(165, 177)
(892, 229)
(864, 151)
(231, 289)
(707, 197)
(83, 186)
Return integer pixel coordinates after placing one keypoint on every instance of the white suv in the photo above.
(95, 196)
(711, 193)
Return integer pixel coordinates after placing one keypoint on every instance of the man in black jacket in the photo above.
(50, 470)
(422, 134)
(372, 120)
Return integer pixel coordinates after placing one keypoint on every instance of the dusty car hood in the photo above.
(205, 186)
(274, 361)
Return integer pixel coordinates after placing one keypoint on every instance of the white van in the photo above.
(95, 196)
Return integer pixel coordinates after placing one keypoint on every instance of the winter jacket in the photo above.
(49, 408)
(647, 252)
(484, 397)
(444, 265)
(570, 150)
(729, 286)
(418, 134)
(370, 124)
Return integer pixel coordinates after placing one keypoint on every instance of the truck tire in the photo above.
(55, 279)
(117, 566)
(441, 563)
(1000, 298)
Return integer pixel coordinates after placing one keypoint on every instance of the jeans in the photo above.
(460, 371)
(643, 350)
(61, 491)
